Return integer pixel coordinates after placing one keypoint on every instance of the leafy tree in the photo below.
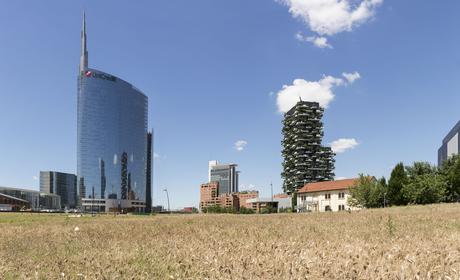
(397, 180)
(450, 169)
(369, 192)
(294, 200)
(425, 189)
(268, 210)
(420, 168)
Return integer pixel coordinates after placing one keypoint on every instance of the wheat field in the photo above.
(419, 242)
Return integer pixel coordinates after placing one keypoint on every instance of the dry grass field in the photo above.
(421, 242)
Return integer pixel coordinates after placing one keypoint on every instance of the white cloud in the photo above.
(343, 144)
(35, 178)
(313, 91)
(240, 145)
(244, 187)
(351, 77)
(320, 42)
(329, 17)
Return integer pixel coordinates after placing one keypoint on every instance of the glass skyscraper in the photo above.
(224, 174)
(112, 129)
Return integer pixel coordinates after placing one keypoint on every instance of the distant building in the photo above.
(157, 208)
(284, 201)
(450, 145)
(11, 203)
(112, 205)
(259, 204)
(244, 196)
(229, 200)
(38, 200)
(225, 174)
(62, 184)
(325, 196)
(305, 159)
(209, 196)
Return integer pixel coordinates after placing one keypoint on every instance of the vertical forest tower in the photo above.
(305, 160)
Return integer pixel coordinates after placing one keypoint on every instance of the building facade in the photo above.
(111, 135)
(325, 196)
(37, 200)
(210, 196)
(11, 203)
(62, 184)
(226, 175)
(258, 205)
(450, 145)
(305, 159)
(244, 196)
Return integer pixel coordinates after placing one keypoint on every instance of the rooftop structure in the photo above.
(328, 186)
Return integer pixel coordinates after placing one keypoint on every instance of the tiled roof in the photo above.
(329, 186)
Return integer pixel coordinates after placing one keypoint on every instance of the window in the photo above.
(327, 196)
(341, 195)
(341, 207)
(327, 208)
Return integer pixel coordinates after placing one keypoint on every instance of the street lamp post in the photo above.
(167, 196)
(271, 188)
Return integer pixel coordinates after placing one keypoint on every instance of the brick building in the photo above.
(209, 196)
(244, 196)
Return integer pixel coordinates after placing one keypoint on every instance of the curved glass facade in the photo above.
(112, 142)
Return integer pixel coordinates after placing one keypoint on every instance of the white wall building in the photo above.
(325, 196)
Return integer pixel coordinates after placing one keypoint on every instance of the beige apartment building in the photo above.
(325, 196)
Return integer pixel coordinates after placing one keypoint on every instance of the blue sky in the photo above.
(213, 70)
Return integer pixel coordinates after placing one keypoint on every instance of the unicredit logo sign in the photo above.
(90, 74)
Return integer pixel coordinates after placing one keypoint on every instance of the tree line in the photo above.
(419, 183)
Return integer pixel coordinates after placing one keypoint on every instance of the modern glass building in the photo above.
(62, 184)
(112, 129)
(450, 145)
(38, 200)
(226, 175)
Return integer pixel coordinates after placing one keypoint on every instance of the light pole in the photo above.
(271, 188)
(167, 196)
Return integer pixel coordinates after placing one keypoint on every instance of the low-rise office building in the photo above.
(11, 203)
(244, 196)
(38, 200)
(97, 205)
(325, 196)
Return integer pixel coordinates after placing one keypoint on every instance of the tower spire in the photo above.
(84, 51)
